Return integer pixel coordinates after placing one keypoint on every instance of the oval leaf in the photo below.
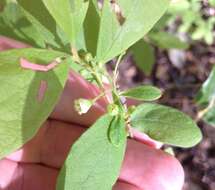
(166, 125)
(38, 15)
(23, 105)
(69, 14)
(94, 162)
(146, 93)
(13, 24)
(207, 91)
(209, 117)
(117, 132)
(136, 19)
(205, 97)
(144, 56)
(165, 40)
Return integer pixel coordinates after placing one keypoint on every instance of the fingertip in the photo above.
(150, 168)
(175, 173)
(124, 186)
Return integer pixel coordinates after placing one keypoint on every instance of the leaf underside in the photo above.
(166, 125)
(93, 162)
(139, 17)
(145, 93)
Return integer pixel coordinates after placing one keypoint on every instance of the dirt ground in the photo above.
(180, 82)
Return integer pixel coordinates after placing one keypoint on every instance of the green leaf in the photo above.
(91, 28)
(21, 113)
(13, 24)
(207, 91)
(144, 56)
(117, 132)
(38, 15)
(146, 93)
(166, 40)
(209, 32)
(209, 117)
(212, 3)
(177, 7)
(139, 17)
(204, 97)
(69, 14)
(166, 125)
(94, 162)
(199, 32)
(162, 23)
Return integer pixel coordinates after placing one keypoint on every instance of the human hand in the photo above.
(36, 165)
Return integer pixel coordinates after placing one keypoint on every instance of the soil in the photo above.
(180, 84)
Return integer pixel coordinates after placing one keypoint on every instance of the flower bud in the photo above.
(88, 57)
(131, 109)
(113, 109)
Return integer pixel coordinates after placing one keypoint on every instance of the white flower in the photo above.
(82, 106)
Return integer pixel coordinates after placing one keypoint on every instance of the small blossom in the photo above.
(82, 106)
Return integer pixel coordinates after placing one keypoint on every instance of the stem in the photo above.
(117, 64)
(75, 54)
(202, 113)
(115, 73)
(101, 95)
(98, 80)
(90, 67)
(98, 97)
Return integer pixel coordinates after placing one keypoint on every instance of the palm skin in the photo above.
(36, 165)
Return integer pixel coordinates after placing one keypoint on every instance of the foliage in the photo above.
(199, 24)
(166, 125)
(85, 45)
(94, 162)
(143, 51)
(14, 24)
(143, 55)
(189, 18)
(145, 93)
(20, 107)
(206, 99)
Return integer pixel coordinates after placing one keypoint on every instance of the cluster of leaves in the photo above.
(161, 37)
(143, 51)
(199, 24)
(194, 18)
(84, 37)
